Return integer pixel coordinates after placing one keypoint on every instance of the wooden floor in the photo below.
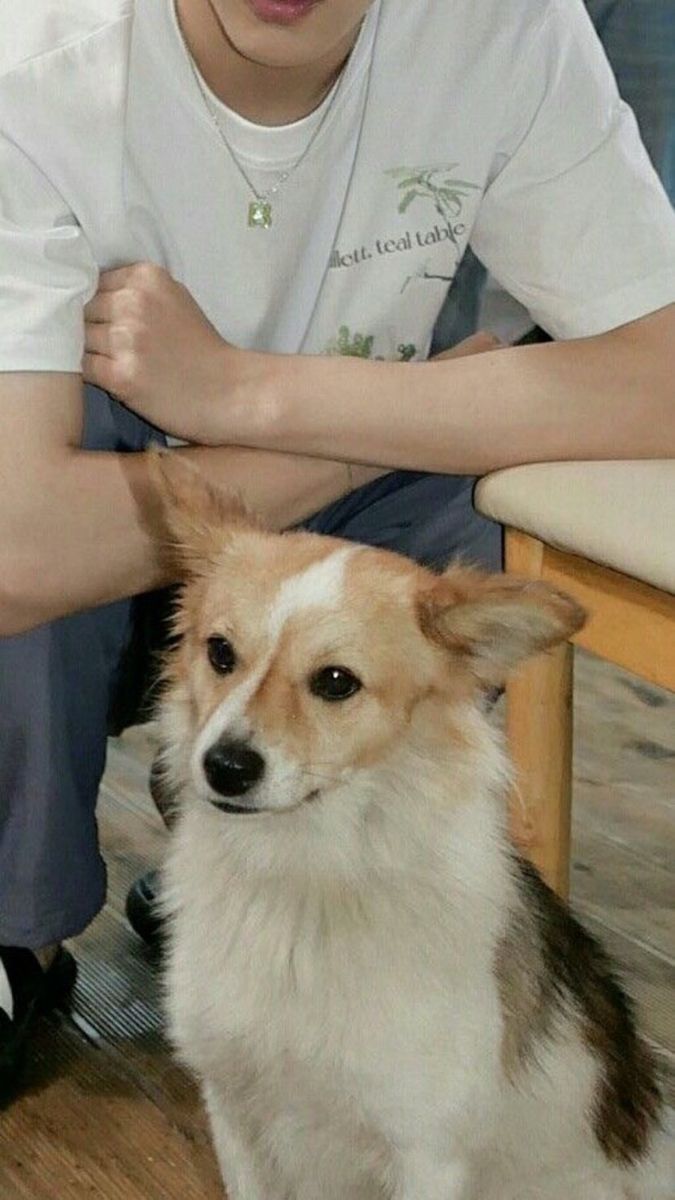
(109, 1115)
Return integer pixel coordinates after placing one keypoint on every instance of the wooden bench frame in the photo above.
(630, 624)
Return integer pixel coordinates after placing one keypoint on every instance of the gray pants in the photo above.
(58, 682)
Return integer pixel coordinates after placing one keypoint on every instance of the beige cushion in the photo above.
(619, 514)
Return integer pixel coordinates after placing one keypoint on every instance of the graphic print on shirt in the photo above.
(437, 186)
(360, 345)
(436, 190)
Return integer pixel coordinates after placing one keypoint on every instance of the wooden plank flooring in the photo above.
(109, 1114)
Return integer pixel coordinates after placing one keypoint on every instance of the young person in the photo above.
(258, 206)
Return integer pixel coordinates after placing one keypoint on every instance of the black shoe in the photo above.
(141, 909)
(33, 991)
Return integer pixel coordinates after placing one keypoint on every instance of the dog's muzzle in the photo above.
(233, 769)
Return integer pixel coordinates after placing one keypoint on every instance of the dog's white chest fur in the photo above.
(356, 1039)
(302, 1007)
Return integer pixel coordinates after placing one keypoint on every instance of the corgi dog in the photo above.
(379, 998)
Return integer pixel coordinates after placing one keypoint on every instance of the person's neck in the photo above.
(264, 95)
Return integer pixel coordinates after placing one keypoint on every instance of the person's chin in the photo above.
(275, 33)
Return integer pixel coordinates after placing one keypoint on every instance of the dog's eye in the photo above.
(221, 654)
(334, 683)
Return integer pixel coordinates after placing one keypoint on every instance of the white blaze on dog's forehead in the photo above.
(319, 586)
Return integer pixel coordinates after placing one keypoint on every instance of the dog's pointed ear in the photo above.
(197, 519)
(495, 622)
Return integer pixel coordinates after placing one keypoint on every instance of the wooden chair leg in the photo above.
(539, 731)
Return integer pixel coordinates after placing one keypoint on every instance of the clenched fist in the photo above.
(150, 345)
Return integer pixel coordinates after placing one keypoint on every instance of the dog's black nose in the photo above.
(233, 768)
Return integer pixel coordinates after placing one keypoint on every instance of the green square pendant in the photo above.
(260, 214)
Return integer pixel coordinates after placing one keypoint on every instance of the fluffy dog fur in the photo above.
(380, 1000)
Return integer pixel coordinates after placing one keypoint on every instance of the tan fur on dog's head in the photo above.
(293, 612)
(197, 518)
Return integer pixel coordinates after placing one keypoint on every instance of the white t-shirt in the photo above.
(262, 264)
(477, 121)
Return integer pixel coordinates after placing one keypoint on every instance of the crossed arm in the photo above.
(79, 529)
(609, 396)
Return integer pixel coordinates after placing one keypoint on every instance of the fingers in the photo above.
(97, 339)
(110, 319)
(110, 281)
(100, 307)
(479, 343)
(98, 369)
(123, 292)
(142, 273)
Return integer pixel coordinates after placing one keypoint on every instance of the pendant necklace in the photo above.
(260, 207)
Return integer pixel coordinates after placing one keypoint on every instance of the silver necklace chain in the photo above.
(260, 208)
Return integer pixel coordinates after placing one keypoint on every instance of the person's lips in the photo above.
(281, 12)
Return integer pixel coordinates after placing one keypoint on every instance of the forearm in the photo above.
(95, 533)
(283, 488)
(85, 537)
(596, 398)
